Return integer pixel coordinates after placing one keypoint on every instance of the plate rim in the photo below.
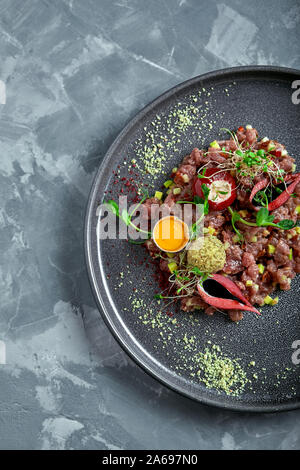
(237, 406)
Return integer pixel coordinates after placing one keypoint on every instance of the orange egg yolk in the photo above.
(170, 234)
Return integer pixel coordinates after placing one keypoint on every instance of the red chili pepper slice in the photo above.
(231, 287)
(212, 175)
(291, 177)
(264, 182)
(227, 304)
(284, 196)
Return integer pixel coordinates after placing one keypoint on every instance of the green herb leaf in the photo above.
(180, 289)
(158, 296)
(261, 198)
(198, 200)
(193, 231)
(137, 242)
(182, 278)
(206, 191)
(125, 217)
(197, 271)
(235, 216)
(263, 217)
(113, 206)
(286, 224)
(202, 175)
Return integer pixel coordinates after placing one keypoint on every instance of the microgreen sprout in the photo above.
(183, 282)
(206, 192)
(263, 219)
(197, 201)
(248, 162)
(127, 218)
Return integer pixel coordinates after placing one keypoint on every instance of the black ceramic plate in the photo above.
(167, 345)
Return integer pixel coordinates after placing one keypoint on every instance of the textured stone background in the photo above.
(76, 71)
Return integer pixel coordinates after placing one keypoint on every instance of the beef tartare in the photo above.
(251, 198)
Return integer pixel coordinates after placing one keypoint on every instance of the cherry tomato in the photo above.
(222, 188)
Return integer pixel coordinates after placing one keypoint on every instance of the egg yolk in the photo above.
(170, 234)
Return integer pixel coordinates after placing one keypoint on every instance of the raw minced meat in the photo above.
(251, 264)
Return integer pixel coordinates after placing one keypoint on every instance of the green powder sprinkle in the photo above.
(209, 365)
(220, 372)
(162, 136)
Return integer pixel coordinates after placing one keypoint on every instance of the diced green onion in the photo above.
(243, 213)
(172, 266)
(214, 144)
(271, 249)
(271, 146)
(176, 191)
(261, 268)
(268, 300)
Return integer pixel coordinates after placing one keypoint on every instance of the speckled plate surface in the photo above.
(169, 345)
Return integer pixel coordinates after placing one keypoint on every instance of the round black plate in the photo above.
(261, 96)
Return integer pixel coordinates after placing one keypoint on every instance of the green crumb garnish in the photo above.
(207, 254)
(162, 137)
(220, 372)
(212, 367)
